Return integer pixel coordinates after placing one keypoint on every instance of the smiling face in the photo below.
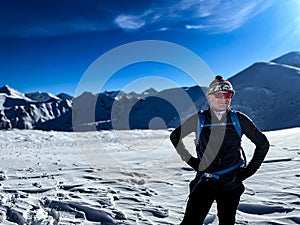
(219, 101)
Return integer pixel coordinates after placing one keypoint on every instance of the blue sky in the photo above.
(49, 45)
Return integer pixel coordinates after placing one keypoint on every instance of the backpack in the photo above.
(237, 126)
(235, 122)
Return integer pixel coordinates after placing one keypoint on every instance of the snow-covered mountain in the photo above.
(28, 111)
(269, 94)
(10, 97)
(150, 109)
(266, 91)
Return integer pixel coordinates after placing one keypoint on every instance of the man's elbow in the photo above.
(265, 145)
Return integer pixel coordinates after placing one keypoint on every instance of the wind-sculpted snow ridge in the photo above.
(291, 59)
(45, 179)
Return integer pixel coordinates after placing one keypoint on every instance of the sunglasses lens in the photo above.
(226, 95)
(218, 95)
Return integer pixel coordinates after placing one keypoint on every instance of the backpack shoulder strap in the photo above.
(236, 122)
(238, 128)
(201, 120)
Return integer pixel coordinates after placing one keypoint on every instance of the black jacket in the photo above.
(219, 147)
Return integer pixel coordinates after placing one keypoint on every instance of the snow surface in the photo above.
(130, 177)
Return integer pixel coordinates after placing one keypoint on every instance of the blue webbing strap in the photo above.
(217, 174)
(236, 123)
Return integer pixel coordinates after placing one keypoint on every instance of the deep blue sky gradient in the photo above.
(48, 45)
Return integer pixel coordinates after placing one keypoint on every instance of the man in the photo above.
(219, 164)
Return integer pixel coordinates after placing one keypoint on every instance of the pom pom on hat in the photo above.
(219, 77)
(219, 84)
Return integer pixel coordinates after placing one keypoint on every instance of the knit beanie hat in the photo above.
(219, 84)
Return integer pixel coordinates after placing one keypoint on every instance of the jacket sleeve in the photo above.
(189, 126)
(261, 142)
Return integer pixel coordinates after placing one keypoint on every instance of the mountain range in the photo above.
(266, 91)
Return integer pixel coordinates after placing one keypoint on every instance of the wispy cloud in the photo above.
(37, 18)
(128, 22)
(216, 16)
(199, 9)
(229, 15)
(133, 22)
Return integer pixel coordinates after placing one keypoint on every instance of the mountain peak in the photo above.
(9, 91)
(64, 96)
(149, 91)
(291, 59)
(13, 93)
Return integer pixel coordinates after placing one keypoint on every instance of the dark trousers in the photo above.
(201, 200)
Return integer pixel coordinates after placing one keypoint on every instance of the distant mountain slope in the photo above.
(42, 97)
(64, 96)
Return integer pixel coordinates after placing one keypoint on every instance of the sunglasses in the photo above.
(225, 95)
